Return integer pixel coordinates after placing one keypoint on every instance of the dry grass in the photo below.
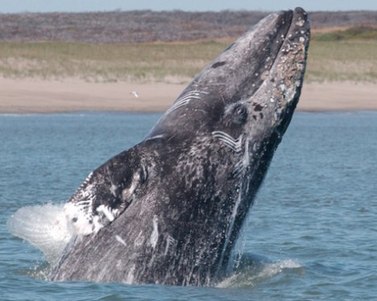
(106, 62)
(344, 60)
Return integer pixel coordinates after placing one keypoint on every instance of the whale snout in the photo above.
(275, 84)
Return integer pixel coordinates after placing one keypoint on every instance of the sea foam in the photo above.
(43, 226)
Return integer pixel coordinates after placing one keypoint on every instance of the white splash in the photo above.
(130, 275)
(250, 276)
(43, 226)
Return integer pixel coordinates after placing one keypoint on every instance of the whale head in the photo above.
(252, 87)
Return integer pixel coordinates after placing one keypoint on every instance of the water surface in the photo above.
(311, 235)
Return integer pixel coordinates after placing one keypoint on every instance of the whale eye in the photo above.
(239, 114)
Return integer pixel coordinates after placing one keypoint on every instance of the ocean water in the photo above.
(311, 235)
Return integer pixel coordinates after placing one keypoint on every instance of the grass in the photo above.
(334, 56)
(352, 33)
(342, 61)
(106, 62)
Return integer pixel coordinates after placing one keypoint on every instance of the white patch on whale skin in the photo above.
(154, 235)
(185, 99)
(121, 240)
(161, 136)
(80, 220)
(246, 155)
(234, 144)
(242, 165)
(79, 213)
(241, 171)
(170, 243)
(128, 192)
(139, 239)
(86, 181)
(113, 189)
(107, 212)
(300, 22)
(85, 223)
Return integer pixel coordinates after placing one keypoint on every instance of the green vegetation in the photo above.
(342, 61)
(106, 62)
(335, 56)
(352, 33)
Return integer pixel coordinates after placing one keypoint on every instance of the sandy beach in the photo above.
(73, 95)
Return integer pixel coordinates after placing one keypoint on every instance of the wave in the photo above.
(254, 269)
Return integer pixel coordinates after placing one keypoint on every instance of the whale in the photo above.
(170, 209)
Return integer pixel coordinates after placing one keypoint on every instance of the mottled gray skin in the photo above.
(179, 197)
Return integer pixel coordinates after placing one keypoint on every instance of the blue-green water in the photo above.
(311, 235)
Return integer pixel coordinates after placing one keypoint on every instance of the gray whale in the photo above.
(169, 210)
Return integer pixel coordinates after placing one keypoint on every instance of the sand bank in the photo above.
(40, 96)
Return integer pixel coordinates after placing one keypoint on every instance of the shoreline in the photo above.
(25, 96)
